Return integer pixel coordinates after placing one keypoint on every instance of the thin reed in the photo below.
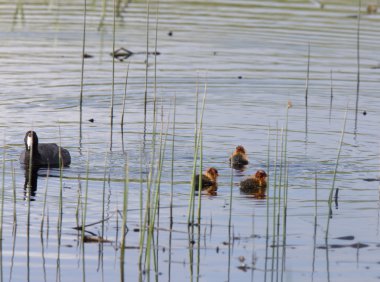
(358, 67)
(125, 208)
(2, 195)
(172, 163)
(113, 74)
(45, 198)
(335, 173)
(14, 194)
(85, 199)
(123, 109)
(191, 211)
(82, 71)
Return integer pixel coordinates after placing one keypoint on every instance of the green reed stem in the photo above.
(84, 209)
(147, 216)
(103, 15)
(172, 165)
(151, 215)
(146, 60)
(82, 71)
(141, 192)
(47, 223)
(195, 141)
(315, 223)
(335, 172)
(104, 192)
(123, 111)
(60, 204)
(155, 208)
(274, 205)
(267, 202)
(307, 76)
(19, 10)
(79, 201)
(2, 195)
(113, 72)
(358, 67)
(316, 195)
(268, 179)
(331, 93)
(14, 193)
(280, 192)
(125, 207)
(118, 8)
(285, 168)
(230, 211)
(45, 198)
(307, 90)
(155, 64)
(200, 175)
(14, 236)
(190, 217)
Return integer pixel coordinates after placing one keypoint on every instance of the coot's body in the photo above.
(208, 181)
(255, 185)
(45, 154)
(239, 158)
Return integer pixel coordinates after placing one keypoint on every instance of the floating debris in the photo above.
(87, 56)
(122, 54)
(359, 245)
(95, 239)
(349, 237)
(132, 247)
(339, 246)
(371, 179)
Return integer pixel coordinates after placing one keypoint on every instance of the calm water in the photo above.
(253, 55)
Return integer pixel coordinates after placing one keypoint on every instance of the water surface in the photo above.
(252, 55)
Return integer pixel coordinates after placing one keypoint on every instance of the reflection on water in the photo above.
(31, 180)
(252, 58)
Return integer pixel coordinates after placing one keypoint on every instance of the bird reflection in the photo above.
(30, 185)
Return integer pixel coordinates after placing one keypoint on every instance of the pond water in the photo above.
(252, 58)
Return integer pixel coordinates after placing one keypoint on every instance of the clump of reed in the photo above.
(277, 198)
(198, 151)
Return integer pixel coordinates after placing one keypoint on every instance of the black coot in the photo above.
(45, 154)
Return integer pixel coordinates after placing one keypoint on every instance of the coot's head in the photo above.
(31, 140)
(240, 149)
(212, 173)
(261, 175)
